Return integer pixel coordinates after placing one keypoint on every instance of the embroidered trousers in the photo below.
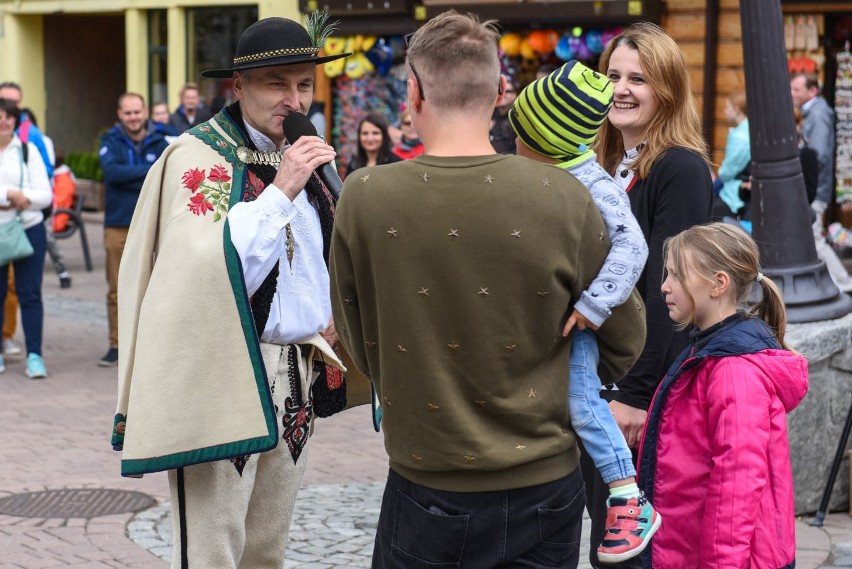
(235, 514)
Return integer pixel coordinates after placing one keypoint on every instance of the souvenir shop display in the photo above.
(372, 79)
(843, 126)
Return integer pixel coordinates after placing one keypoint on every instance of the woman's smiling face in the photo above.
(635, 104)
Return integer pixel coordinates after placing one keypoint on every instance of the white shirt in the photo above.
(624, 174)
(33, 181)
(301, 306)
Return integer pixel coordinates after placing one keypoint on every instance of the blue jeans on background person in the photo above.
(534, 527)
(28, 278)
(590, 415)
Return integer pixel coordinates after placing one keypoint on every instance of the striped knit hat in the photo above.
(559, 115)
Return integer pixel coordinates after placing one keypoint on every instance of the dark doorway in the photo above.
(85, 72)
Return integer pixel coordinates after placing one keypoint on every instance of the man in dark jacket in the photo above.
(190, 112)
(127, 152)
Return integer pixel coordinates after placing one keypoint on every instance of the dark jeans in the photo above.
(534, 527)
(28, 276)
(596, 496)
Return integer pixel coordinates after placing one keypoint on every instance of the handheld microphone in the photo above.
(297, 125)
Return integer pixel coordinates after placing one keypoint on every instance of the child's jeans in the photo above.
(590, 415)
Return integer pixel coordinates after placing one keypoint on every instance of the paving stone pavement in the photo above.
(55, 433)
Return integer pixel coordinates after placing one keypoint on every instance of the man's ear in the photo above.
(414, 101)
(501, 90)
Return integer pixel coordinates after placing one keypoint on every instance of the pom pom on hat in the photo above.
(559, 115)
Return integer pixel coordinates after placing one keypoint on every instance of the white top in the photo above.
(33, 181)
(302, 304)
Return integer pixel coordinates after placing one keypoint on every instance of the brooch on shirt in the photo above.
(247, 156)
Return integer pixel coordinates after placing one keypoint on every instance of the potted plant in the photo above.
(87, 169)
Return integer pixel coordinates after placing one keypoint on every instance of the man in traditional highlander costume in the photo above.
(224, 306)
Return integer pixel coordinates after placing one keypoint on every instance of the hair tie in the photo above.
(759, 277)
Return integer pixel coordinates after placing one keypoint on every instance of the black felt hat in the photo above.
(272, 42)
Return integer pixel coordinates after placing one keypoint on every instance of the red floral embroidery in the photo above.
(192, 179)
(199, 205)
(210, 193)
(219, 174)
(254, 186)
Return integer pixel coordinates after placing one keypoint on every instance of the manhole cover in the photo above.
(74, 503)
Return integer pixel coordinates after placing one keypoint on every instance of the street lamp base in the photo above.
(810, 294)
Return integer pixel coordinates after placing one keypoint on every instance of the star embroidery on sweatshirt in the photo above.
(453, 346)
(545, 182)
(480, 402)
(387, 401)
(432, 407)
(531, 394)
(511, 347)
(370, 344)
(483, 291)
(417, 458)
(600, 235)
(401, 349)
(453, 233)
(469, 458)
(365, 178)
(349, 300)
(393, 231)
(543, 293)
(423, 291)
(489, 179)
(516, 233)
(620, 228)
(520, 446)
(424, 177)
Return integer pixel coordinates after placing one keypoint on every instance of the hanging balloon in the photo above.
(527, 50)
(511, 44)
(576, 44)
(367, 43)
(336, 46)
(608, 35)
(539, 41)
(357, 65)
(381, 56)
(583, 51)
(594, 42)
(564, 51)
(576, 31)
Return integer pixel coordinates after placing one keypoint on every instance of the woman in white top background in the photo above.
(24, 190)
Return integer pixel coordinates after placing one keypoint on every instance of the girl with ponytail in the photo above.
(714, 456)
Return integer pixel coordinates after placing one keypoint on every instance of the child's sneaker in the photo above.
(630, 523)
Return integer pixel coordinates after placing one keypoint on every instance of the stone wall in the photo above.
(815, 425)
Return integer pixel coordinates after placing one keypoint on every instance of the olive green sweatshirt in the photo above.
(451, 279)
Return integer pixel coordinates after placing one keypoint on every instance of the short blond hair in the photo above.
(456, 57)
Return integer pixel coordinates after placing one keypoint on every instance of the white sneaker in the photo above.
(11, 348)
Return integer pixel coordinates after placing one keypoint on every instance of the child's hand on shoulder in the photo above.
(577, 319)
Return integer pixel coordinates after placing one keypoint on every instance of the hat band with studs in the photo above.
(312, 51)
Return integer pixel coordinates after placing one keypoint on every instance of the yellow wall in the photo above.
(21, 32)
(22, 58)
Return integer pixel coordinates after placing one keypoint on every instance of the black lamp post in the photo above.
(780, 212)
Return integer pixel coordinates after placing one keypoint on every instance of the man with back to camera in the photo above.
(225, 305)
(451, 274)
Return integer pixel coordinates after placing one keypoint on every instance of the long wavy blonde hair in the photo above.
(676, 123)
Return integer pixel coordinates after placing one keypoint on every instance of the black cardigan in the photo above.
(677, 194)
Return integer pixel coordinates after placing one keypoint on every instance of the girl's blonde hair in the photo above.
(725, 248)
(676, 123)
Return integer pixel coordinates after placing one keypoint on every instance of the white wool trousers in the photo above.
(235, 514)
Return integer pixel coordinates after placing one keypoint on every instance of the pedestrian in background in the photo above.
(24, 191)
(374, 147)
(652, 145)
(160, 112)
(191, 110)
(127, 151)
(409, 145)
(715, 456)
(727, 202)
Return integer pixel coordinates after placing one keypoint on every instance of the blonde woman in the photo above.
(651, 144)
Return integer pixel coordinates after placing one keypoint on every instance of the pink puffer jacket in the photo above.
(715, 461)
